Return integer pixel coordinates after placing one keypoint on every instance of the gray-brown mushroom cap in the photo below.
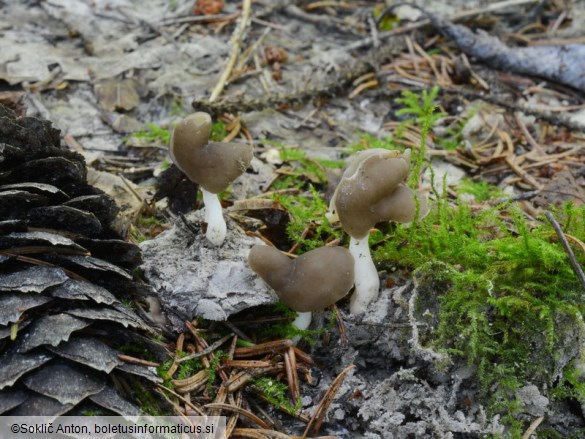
(213, 165)
(372, 190)
(312, 282)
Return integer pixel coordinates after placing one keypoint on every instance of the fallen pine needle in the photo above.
(323, 406)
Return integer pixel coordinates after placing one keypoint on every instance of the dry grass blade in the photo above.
(323, 406)
(343, 336)
(231, 408)
(238, 332)
(237, 127)
(535, 146)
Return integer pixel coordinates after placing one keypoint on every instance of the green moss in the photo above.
(423, 111)
(145, 227)
(213, 368)
(148, 401)
(158, 135)
(369, 141)
(307, 211)
(308, 224)
(148, 221)
(303, 170)
(388, 22)
(165, 164)
(154, 134)
(275, 392)
(287, 331)
(95, 412)
(137, 349)
(162, 370)
(188, 368)
(218, 131)
(185, 370)
(502, 296)
(509, 298)
(481, 190)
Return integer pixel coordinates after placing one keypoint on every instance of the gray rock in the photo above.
(193, 278)
(400, 387)
(533, 402)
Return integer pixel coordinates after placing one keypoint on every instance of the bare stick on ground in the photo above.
(236, 43)
(576, 267)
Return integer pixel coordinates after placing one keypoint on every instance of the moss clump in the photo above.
(185, 370)
(154, 134)
(285, 330)
(145, 227)
(308, 226)
(275, 392)
(481, 190)
(218, 355)
(508, 299)
(302, 170)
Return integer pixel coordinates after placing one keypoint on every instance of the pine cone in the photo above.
(63, 272)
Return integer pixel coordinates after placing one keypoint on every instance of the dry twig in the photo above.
(532, 428)
(574, 263)
(236, 42)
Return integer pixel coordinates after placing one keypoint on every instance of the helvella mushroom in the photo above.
(372, 190)
(312, 282)
(212, 165)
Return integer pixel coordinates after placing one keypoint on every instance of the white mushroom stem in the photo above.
(216, 228)
(302, 321)
(367, 282)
